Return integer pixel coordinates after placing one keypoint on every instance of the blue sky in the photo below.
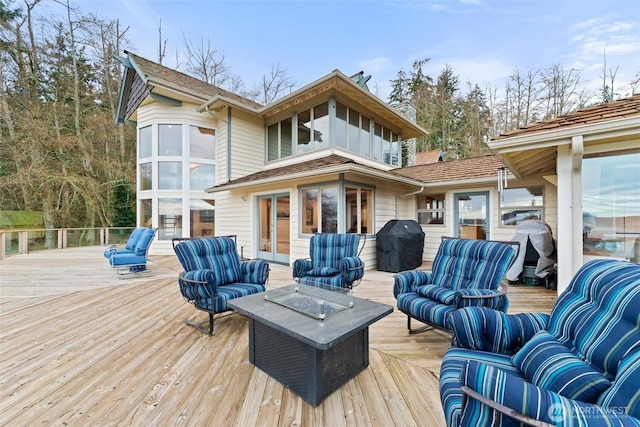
(482, 40)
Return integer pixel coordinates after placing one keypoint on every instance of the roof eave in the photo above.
(318, 172)
(590, 132)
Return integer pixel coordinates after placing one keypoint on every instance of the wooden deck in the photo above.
(80, 347)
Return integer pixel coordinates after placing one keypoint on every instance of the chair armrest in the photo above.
(351, 268)
(197, 284)
(495, 299)
(301, 267)
(409, 281)
(256, 271)
(490, 392)
(485, 329)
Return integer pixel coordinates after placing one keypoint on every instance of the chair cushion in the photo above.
(453, 364)
(550, 365)
(425, 309)
(596, 317)
(323, 272)
(327, 249)
(144, 241)
(119, 259)
(218, 254)
(624, 393)
(437, 293)
(475, 264)
(133, 239)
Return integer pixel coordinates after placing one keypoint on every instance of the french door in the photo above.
(273, 228)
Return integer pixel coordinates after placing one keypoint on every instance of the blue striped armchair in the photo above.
(578, 366)
(464, 273)
(334, 261)
(213, 274)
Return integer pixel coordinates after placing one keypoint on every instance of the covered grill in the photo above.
(537, 257)
(400, 244)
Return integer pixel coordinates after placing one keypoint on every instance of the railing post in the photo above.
(104, 237)
(23, 242)
(60, 243)
(3, 242)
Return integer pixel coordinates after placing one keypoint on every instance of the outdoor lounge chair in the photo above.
(464, 273)
(334, 261)
(213, 274)
(134, 256)
(129, 247)
(578, 366)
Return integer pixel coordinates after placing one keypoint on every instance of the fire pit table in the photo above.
(312, 340)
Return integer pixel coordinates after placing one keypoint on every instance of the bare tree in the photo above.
(206, 62)
(276, 84)
(162, 44)
(607, 92)
(562, 91)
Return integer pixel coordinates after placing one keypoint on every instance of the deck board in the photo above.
(78, 346)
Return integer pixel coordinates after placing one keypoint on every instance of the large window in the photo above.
(611, 205)
(431, 209)
(351, 130)
(320, 210)
(519, 204)
(173, 158)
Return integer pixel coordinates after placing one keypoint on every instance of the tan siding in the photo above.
(158, 112)
(247, 144)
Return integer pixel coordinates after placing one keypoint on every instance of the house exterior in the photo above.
(592, 158)
(328, 157)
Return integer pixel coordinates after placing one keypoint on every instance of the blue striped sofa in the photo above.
(464, 272)
(213, 274)
(578, 366)
(333, 261)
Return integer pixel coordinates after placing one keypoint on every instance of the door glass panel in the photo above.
(472, 216)
(266, 222)
(282, 228)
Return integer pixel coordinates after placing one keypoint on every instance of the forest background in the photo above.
(62, 153)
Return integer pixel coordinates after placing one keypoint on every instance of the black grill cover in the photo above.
(399, 245)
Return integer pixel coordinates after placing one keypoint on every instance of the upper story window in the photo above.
(312, 129)
(169, 140)
(431, 209)
(519, 204)
(202, 143)
(196, 154)
(145, 142)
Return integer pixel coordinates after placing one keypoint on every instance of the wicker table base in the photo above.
(313, 358)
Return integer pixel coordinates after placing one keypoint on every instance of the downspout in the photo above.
(228, 144)
(402, 196)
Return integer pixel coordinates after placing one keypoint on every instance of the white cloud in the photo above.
(379, 64)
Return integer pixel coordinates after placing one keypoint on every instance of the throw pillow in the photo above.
(550, 365)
